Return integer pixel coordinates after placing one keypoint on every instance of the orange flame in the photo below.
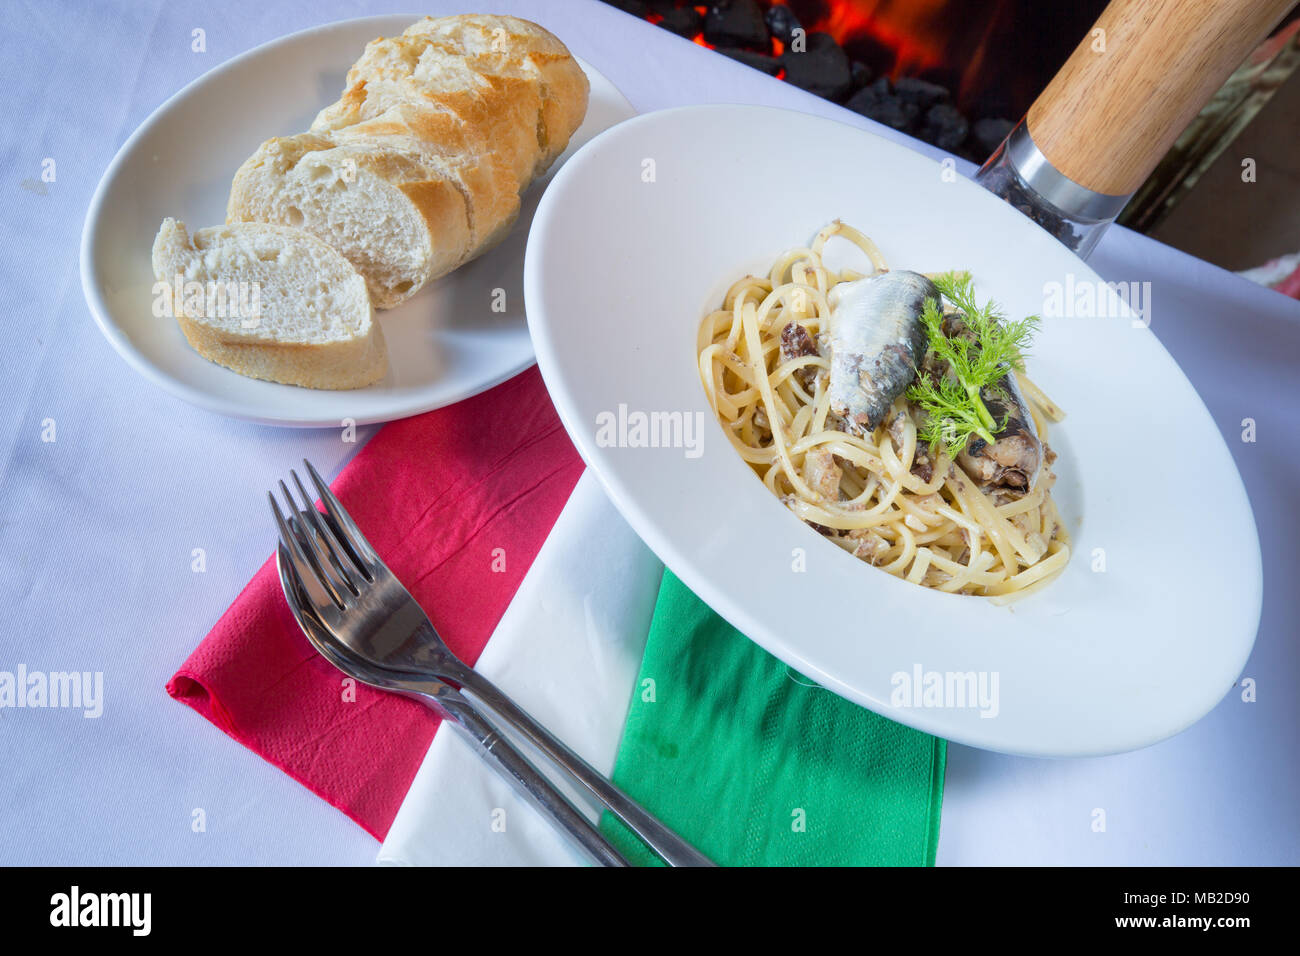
(913, 29)
(923, 35)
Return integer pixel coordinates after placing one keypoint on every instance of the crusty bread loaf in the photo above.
(456, 108)
(375, 207)
(313, 325)
(509, 47)
(419, 166)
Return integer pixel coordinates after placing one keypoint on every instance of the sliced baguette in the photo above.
(490, 189)
(398, 222)
(314, 326)
(419, 166)
(504, 46)
(468, 112)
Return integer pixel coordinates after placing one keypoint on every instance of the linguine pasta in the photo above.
(885, 497)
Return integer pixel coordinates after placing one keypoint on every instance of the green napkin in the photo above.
(758, 766)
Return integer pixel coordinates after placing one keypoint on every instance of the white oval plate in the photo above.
(1154, 617)
(444, 344)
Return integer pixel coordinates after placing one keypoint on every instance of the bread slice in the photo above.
(396, 220)
(490, 189)
(303, 314)
(419, 166)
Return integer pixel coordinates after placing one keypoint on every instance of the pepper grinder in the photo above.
(1115, 108)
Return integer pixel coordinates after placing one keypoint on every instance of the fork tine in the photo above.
(318, 591)
(320, 637)
(341, 558)
(293, 583)
(312, 550)
(349, 534)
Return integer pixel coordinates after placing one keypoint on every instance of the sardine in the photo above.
(1014, 460)
(877, 342)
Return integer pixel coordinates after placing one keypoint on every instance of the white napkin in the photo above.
(568, 650)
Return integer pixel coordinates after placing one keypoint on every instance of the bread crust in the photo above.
(336, 366)
(344, 362)
(478, 105)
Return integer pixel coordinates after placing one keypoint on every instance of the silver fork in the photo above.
(454, 709)
(363, 605)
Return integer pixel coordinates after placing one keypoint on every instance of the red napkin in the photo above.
(457, 501)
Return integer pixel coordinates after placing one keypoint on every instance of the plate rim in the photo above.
(203, 398)
(735, 612)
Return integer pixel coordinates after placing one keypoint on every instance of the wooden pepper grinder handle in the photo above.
(1136, 81)
(1117, 105)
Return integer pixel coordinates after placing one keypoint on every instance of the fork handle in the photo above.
(671, 848)
(502, 756)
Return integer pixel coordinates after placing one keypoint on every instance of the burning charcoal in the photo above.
(867, 99)
(901, 116)
(877, 102)
(945, 127)
(810, 11)
(736, 23)
(872, 51)
(781, 22)
(822, 68)
(911, 89)
(637, 8)
(768, 64)
(684, 21)
(989, 133)
(861, 74)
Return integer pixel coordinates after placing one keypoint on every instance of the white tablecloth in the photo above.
(99, 526)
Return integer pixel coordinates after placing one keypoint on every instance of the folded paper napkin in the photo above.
(729, 763)
(567, 650)
(758, 766)
(733, 749)
(458, 501)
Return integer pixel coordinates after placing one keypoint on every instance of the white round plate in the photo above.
(448, 342)
(637, 238)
